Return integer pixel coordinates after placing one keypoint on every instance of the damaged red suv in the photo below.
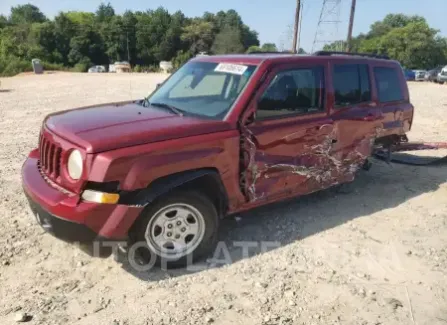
(221, 135)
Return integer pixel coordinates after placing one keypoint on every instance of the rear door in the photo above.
(393, 99)
(285, 146)
(357, 116)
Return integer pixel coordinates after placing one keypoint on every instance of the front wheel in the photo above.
(178, 229)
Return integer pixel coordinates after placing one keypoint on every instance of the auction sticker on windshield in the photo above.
(231, 68)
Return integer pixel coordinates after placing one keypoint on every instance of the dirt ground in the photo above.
(373, 254)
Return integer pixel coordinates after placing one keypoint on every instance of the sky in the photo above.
(272, 19)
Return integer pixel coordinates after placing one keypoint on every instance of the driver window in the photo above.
(291, 92)
(210, 85)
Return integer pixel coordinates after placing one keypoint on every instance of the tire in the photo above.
(176, 210)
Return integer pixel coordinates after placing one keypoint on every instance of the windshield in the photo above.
(204, 89)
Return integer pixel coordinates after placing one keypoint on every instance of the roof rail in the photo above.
(368, 55)
(272, 52)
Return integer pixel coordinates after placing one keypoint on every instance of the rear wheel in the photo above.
(178, 229)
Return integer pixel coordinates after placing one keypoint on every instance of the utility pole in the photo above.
(351, 24)
(296, 26)
(299, 28)
(128, 51)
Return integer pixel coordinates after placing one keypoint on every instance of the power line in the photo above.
(328, 25)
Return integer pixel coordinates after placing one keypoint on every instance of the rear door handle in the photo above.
(372, 117)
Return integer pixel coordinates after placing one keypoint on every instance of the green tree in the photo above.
(269, 47)
(151, 32)
(64, 31)
(79, 39)
(129, 22)
(105, 12)
(198, 36)
(416, 46)
(228, 41)
(81, 18)
(254, 48)
(42, 42)
(408, 39)
(87, 46)
(391, 21)
(26, 14)
(3, 21)
(249, 37)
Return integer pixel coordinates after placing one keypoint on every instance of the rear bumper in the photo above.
(67, 217)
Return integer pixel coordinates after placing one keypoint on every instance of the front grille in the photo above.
(50, 157)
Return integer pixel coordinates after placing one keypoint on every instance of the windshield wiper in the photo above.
(170, 107)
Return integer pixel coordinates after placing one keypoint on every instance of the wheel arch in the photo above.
(204, 180)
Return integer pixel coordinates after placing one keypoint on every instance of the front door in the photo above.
(287, 145)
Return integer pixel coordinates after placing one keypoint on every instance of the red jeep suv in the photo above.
(221, 135)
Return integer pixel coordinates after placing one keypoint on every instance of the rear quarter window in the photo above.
(388, 84)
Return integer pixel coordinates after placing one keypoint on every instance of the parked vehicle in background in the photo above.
(442, 76)
(409, 75)
(419, 75)
(432, 75)
(97, 69)
(221, 135)
(166, 66)
(122, 67)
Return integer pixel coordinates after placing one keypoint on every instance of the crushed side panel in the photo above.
(318, 163)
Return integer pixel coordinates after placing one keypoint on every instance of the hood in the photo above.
(112, 126)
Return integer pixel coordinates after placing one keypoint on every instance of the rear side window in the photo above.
(388, 84)
(351, 84)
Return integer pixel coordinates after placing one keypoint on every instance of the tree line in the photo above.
(408, 39)
(76, 40)
(79, 40)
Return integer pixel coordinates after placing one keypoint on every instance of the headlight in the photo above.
(75, 164)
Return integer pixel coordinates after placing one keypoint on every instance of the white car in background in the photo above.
(442, 76)
(419, 75)
(97, 69)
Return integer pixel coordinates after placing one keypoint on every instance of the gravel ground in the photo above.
(373, 254)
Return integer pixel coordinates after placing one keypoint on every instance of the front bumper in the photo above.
(88, 241)
(67, 217)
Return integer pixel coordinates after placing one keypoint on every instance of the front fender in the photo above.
(159, 187)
